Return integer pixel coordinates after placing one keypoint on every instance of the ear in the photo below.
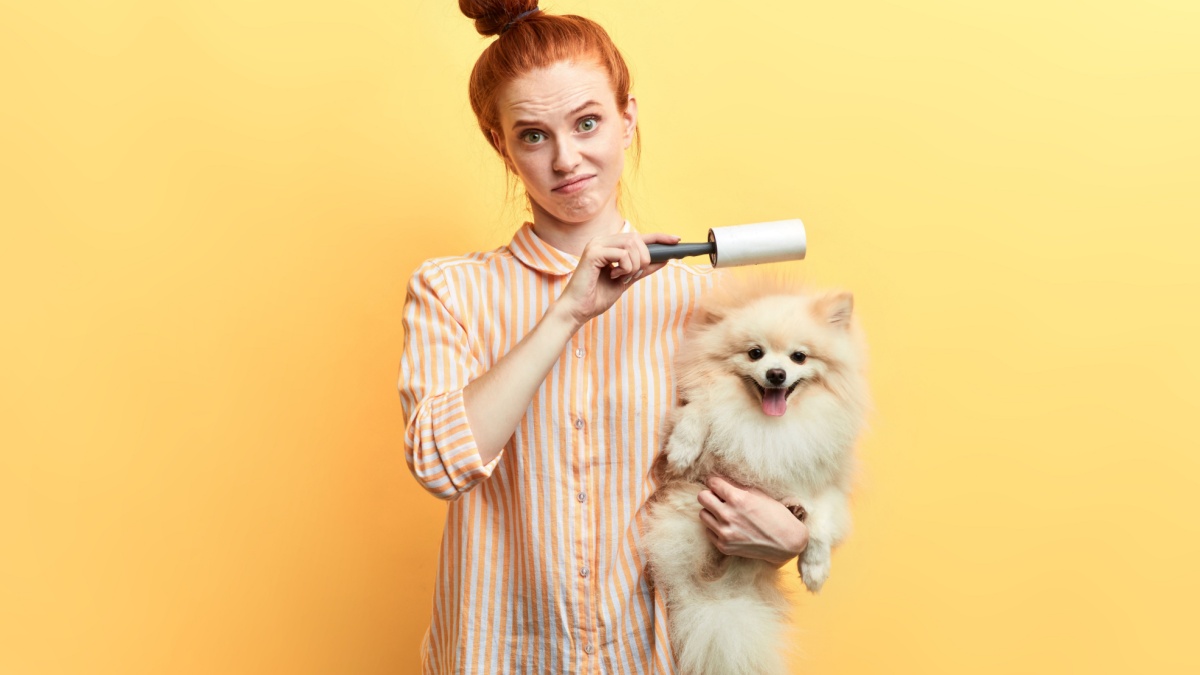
(708, 313)
(836, 308)
(630, 119)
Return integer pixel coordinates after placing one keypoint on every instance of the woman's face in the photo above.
(564, 136)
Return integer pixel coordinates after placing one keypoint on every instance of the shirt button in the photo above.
(579, 352)
(587, 649)
(583, 572)
(579, 423)
(581, 497)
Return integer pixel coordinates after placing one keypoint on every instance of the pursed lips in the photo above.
(572, 184)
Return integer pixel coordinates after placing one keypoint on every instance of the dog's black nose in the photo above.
(776, 376)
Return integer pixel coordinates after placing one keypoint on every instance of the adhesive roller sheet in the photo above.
(756, 243)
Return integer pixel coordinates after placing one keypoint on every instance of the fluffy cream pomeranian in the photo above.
(772, 393)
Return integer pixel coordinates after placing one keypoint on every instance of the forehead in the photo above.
(782, 322)
(555, 91)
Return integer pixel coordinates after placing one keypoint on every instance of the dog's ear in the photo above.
(708, 314)
(836, 308)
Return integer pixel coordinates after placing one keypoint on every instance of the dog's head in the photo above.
(775, 342)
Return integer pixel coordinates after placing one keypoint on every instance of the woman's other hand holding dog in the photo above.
(747, 522)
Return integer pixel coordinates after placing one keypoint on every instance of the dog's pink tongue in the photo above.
(775, 401)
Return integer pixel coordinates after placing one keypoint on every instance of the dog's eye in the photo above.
(799, 357)
(755, 353)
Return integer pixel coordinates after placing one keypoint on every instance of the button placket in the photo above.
(582, 453)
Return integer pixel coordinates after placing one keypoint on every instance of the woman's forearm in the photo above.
(496, 400)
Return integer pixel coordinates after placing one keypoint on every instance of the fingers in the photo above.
(641, 254)
(618, 261)
(720, 487)
(644, 267)
(625, 256)
(632, 261)
(712, 504)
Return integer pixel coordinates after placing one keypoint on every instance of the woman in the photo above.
(534, 378)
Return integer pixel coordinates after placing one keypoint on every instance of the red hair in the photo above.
(535, 40)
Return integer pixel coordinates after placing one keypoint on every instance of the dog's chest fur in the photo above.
(799, 454)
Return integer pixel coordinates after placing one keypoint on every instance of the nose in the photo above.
(776, 376)
(566, 155)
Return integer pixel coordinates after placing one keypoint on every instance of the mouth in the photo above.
(773, 399)
(573, 184)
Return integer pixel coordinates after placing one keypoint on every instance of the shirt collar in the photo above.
(541, 256)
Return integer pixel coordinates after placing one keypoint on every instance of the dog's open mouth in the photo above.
(774, 399)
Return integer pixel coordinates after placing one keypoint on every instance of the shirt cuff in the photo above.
(447, 459)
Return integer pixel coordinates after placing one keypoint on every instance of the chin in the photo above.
(579, 207)
(568, 214)
(771, 392)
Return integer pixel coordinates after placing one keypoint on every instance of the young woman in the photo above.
(534, 378)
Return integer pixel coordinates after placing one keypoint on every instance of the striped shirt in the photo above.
(539, 569)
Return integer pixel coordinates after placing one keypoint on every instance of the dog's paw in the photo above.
(680, 455)
(797, 509)
(814, 566)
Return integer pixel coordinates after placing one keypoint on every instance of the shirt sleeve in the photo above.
(436, 365)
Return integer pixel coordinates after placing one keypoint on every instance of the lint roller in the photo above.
(753, 244)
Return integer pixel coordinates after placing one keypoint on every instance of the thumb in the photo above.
(660, 238)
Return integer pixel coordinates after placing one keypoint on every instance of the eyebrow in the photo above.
(530, 123)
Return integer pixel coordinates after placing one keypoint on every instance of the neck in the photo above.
(571, 237)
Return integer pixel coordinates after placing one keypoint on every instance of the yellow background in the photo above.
(210, 211)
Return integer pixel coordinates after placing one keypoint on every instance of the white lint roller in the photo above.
(753, 244)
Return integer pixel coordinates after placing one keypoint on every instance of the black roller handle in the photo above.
(663, 252)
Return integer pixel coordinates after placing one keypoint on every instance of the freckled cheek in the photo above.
(614, 146)
(532, 165)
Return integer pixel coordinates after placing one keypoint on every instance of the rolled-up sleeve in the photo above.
(436, 365)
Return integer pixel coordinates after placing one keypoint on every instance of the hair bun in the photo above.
(491, 16)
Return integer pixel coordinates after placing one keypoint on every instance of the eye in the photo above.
(755, 353)
(799, 357)
(589, 123)
(532, 136)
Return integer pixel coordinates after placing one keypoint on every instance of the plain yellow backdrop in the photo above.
(210, 211)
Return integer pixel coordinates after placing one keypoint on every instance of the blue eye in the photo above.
(588, 124)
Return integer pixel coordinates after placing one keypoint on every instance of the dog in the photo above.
(772, 393)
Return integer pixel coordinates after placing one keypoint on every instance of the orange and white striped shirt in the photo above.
(539, 570)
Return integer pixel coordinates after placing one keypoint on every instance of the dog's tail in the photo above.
(738, 635)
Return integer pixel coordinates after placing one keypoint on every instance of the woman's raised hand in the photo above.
(609, 264)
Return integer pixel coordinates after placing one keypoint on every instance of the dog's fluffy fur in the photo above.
(727, 614)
